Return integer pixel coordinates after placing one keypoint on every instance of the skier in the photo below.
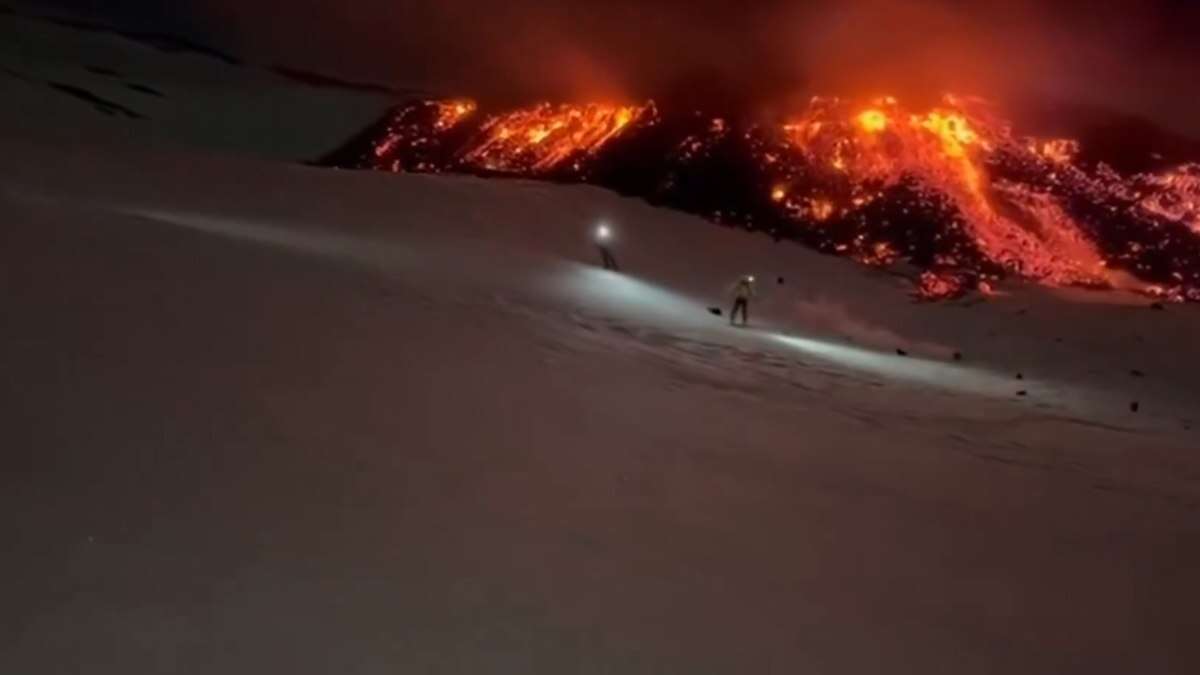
(603, 235)
(742, 294)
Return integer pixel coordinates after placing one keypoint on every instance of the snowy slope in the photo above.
(259, 417)
(174, 98)
(273, 418)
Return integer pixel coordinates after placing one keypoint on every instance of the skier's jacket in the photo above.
(744, 290)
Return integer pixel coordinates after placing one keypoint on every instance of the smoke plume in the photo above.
(1138, 56)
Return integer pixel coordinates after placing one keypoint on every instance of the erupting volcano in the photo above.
(952, 190)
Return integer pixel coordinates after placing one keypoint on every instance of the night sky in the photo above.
(1138, 56)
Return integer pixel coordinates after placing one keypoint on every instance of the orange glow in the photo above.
(1058, 150)
(944, 149)
(545, 136)
(450, 113)
(778, 194)
(872, 121)
(820, 209)
(410, 134)
(933, 286)
(952, 129)
(1175, 194)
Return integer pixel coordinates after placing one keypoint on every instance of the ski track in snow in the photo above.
(757, 355)
(569, 319)
(762, 360)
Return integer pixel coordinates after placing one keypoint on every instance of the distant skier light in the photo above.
(603, 233)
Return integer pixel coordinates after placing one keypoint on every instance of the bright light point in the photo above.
(778, 194)
(873, 121)
(603, 232)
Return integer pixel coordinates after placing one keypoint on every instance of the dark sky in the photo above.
(1137, 56)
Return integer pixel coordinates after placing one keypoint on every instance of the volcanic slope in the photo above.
(257, 417)
(76, 81)
(261, 416)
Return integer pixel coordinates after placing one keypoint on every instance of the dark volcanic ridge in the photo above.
(321, 80)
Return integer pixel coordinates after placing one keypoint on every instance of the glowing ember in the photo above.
(1058, 150)
(871, 121)
(820, 209)
(932, 286)
(1174, 195)
(450, 113)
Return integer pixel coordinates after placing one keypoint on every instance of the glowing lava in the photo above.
(872, 121)
(544, 137)
(450, 113)
(950, 189)
(1174, 195)
(945, 151)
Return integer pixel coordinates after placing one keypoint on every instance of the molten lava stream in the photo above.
(540, 139)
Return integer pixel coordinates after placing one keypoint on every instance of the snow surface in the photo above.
(197, 100)
(264, 418)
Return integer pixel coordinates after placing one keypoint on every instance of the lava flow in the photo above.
(543, 137)
(952, 190)
(943, 153)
